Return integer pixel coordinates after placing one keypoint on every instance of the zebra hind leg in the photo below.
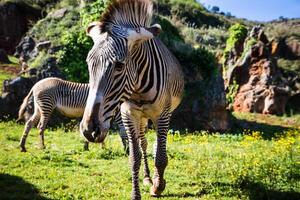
(161, 159)
(28, 125)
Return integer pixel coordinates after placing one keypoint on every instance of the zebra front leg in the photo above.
(147, 180)
(131, 116)
(42, 126)
(161, 158)
(86, 146)
(124, 139)
(42, 140)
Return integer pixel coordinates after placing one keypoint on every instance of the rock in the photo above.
(43, 45)
(3, 57)
(15, 18)
(288, 48)
(58, 13)
(205, 106)
(13, 93)
(15, 90)
(25, 48)
(262, 86)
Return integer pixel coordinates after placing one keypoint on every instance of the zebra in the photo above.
(132, 69)
(69, 98)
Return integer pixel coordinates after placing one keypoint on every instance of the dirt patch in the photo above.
(11, 69)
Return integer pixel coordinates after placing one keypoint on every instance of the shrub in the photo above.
(76, 44)
(237, 34)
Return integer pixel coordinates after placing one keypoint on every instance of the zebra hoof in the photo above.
(42, 147)
(23, 149)
(147, 181)
(86, 147)
(158, 187)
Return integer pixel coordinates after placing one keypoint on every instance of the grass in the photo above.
(3, 76)
(201, 165)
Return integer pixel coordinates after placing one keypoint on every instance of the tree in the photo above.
(215, 9)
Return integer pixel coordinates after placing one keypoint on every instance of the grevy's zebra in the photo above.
(68, 98)
(131, 68)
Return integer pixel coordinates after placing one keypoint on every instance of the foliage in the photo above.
(212, 38)
(237, 34)
(277, 29)
(248, 45)
(4, 76)
(231, 93)
(201, 165)
(194, 58)
(72, 57)
(189, 12)
(289, 65)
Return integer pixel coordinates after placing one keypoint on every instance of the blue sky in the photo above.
(259, 10)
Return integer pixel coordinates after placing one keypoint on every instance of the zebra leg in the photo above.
(31, 122)
(161, 159)
(131, 116)
(147, 180)
(86, 146)
(124, 139)
(122, 132)
(42, 126)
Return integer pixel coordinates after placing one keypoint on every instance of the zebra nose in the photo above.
(87, 131)
(96, 133)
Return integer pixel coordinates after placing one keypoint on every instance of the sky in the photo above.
(258, 10)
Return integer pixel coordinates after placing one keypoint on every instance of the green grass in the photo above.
(201, 165)
(3, 76)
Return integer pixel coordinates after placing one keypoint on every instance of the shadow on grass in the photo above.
(255, 191)
(258, 191)
(268, 130)
(14, 187)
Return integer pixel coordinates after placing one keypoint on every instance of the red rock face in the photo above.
(261, 87)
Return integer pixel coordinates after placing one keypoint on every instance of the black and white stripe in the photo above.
(131, 70)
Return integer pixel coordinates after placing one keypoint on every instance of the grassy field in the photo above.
(245, 165)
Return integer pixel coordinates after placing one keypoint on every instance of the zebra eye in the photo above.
(119, 66)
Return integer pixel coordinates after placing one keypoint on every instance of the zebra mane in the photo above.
(127, 13)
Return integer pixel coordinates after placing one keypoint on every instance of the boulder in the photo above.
(15, 18)
(25, 48)
(3, 57)
(204, 107)
(15, 90)
(262, 85)
(58, 14)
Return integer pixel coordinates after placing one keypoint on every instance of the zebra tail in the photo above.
(24, 105)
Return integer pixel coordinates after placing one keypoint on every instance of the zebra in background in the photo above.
(131, 69)
(68, 98)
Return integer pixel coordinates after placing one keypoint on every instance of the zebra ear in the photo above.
(94, 30)
(155, 29)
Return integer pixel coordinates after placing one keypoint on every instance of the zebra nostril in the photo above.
(96, 132)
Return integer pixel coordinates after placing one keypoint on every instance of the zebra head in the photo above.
(110, 74)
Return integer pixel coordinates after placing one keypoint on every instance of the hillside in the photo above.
(197, 37)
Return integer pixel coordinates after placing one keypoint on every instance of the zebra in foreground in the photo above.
(130, 68)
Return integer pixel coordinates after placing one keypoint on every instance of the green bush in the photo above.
(76, 44)
(189, 12)
(237, 34)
